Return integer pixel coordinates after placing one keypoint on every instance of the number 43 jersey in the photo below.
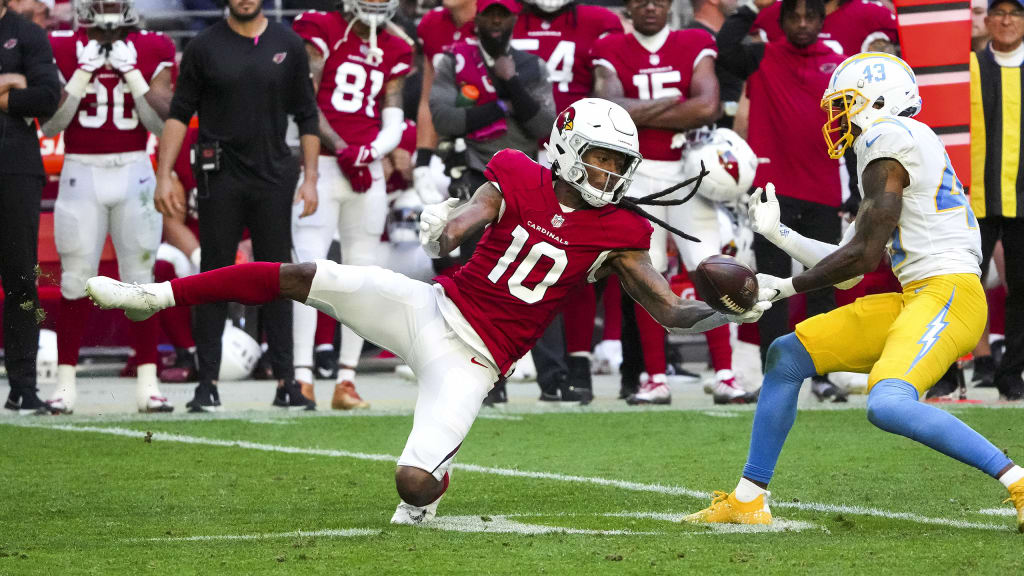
(351, 92)
(937, 232)
(532, 257)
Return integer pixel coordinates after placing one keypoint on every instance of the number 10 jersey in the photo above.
(532, 257)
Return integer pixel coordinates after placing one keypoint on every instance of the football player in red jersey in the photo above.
(443, 26)
(117, 90)
(666, 80)
(359, 68)
(563, 33)
(547, 232)
(851, 26)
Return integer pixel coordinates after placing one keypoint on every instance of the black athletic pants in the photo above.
(1011, 231)
(812, 220)
(19, 237)
(232, 204)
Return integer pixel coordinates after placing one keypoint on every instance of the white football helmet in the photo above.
(404, 218)
(105, 14)
(864, 88)
(549, 6)
(593, 123)
(730, 163)
(239, 353)
(373, 14)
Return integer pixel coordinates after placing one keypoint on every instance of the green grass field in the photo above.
(560, 493)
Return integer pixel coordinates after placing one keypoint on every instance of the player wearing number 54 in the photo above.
(547, 232)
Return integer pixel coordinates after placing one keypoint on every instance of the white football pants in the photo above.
(101, 194)
(358, 220)
(403, 316)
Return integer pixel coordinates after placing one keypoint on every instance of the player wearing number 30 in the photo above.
(547, 232)
(359, 67)
(117, 89)
(913, 205)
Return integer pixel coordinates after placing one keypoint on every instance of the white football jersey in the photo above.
(937, 231)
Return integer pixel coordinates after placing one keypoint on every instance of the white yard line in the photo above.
(346, 533)
(998, 511)
(509, 472)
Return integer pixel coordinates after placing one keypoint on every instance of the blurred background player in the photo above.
(117, 90)
(850, 26)
(666, 80)
(709, 15)
(29, 88)
(441, 27)
(359, 68)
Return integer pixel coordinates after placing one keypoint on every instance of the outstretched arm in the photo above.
(883, 181)
(645, 285)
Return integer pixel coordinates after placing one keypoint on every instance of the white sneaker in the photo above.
(607, 357)
(148, 398)
(728, 391)
(410, 515)
(654, 391)
(139, 301)
(62, 401)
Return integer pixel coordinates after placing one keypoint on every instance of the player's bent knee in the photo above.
(297, 279)
(885, 403)
(788, 357)
(416, 486)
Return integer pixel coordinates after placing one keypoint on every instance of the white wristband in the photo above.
(78, 83)
(137, 85)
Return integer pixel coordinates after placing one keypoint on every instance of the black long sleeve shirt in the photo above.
(736, 55)
(243, 90)
(25, 50)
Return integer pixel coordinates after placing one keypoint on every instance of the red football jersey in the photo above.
(651, 75)
(564, 43)
(106, 121)
(849, 30)
(351, 91)
(437, 32)
(533, 256)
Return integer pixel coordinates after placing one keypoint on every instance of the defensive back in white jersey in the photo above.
(937, 231)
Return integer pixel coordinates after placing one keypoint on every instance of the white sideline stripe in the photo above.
(998, 511)
(777, 525)
(597, 481)
(720, 414)
(347, 533)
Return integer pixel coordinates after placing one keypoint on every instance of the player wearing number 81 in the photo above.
(359, 66)
(914, 206)
(547, 232)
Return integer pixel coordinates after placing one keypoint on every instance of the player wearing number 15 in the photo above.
(359, 68)
(117, 91)
(547, 232)
(913, 205)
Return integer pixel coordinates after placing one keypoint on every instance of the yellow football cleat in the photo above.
(726, 509)
(1017, 497)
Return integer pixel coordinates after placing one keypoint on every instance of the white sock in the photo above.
(322, 347)
(346, 374)
(163, 292)
(1012, 475)
(304, 374)
(65, 384)
(659, 379)
(747, 491)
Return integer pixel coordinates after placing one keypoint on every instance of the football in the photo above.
(725, 284)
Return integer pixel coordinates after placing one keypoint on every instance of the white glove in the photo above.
(772, 288)
(423, 180)
(432, 222)
(123, 57)
(765, 215)
(752, 315)
(91, 57)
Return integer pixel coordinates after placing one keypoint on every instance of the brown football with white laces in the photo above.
(725, 284)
